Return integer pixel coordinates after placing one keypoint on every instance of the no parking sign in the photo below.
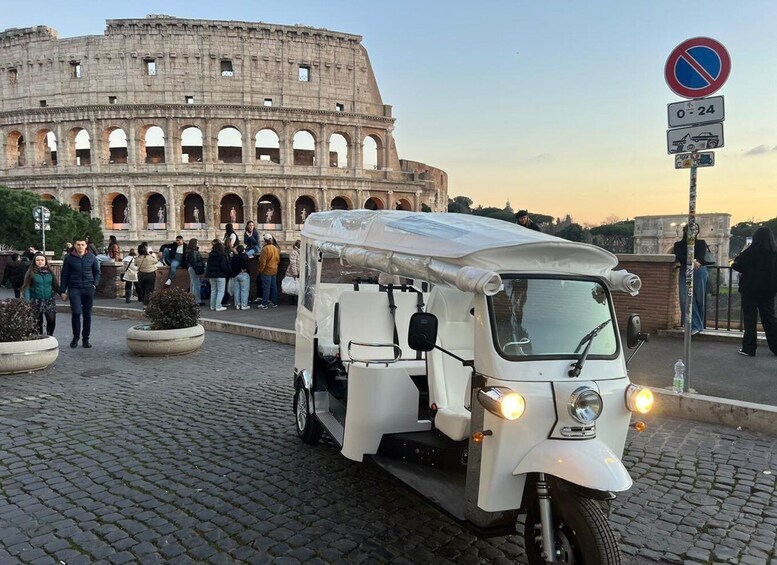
(697, 67)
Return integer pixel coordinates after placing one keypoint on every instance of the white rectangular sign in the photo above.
(687, 160)
(695, 112)
(696, 138)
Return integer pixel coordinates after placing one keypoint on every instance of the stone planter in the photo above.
(28, 356)
(146, 342)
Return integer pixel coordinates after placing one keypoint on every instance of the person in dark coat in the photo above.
(79, 280)
(239, 267)
(218, 271)
(758, 287)
(523, 219)
(14, 273)
(700, 276)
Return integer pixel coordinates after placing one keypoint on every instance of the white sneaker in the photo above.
(212, 308)
(220, 309)
(246, 307)
(238, 307)
(168, 282)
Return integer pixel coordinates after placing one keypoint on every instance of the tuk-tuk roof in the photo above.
(454, 236)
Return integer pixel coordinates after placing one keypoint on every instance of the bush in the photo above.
(172, 309)
(18, 321)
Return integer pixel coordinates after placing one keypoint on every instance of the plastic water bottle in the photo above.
(678, 383)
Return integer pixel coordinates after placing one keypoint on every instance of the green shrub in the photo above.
(171, 309)
(18, 321)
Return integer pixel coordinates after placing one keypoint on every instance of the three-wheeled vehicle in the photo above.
(495, 384)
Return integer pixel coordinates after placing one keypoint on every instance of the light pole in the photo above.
(42, 216)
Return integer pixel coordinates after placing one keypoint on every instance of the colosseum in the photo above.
(165, 125)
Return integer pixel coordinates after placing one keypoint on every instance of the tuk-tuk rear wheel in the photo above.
(582, 533)
(308, 427)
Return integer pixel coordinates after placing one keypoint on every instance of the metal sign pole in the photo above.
(43, 232)
(689, 270)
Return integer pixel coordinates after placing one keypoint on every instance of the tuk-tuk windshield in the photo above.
(548, 317)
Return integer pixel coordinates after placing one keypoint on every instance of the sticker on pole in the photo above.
(697, 67)
(688, 160)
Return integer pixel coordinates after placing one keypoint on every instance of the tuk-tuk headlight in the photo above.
(585, 405)
(502, 402)
(639, 399)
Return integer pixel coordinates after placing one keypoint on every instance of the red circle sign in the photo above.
(697, 67)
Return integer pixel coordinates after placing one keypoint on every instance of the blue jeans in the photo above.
(242, 286)
(81, 300)
(194, 284)
(699, 293)
(174, 264)
(217, 287)
(269, 289)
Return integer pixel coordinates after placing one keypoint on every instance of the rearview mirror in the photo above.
(422, 333)
(634, 331)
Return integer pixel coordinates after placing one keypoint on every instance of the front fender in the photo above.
(589, 463)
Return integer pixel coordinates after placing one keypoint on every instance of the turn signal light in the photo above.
(639, 426)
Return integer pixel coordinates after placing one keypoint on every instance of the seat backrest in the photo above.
(365, 317)
(448, 378)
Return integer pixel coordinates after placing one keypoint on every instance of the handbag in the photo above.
(709, 257)
(290, 285)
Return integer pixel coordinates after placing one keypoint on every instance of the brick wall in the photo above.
(657, 302)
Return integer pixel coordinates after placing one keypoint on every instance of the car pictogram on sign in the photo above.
(695, 138)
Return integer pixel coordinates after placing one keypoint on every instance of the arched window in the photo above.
(340, 203)
(83, 148)
(153, 148)
(232, 211)
(230, 145)
(303, 208)
(84, 205)
(374, 204)
(372, 152)
(156, 212)
(191, 146)
(403, 204)
(120, 212)
(15, 151)
(268, 146)
(304, 145)
(268, 213)
(117, 150)
(45, 148)
(338, 151)
(193, 212)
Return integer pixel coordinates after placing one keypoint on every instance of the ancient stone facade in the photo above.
(657, 234)
(164, 126)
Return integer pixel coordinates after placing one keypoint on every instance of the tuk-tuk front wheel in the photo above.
(582, 534)
(308, 427)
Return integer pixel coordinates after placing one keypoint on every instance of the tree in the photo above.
(572, 232)
(460, 205)
(496, 213)
(17, 226)
(623, 228)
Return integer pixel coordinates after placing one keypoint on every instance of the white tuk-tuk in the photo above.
(493, 385)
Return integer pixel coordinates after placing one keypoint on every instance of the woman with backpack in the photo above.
(196, 268)
(758, 286)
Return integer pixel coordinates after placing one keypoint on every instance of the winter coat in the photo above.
(680, 251)
(130, 269)
(759, 273)
(44, 286)
(218, 266)
(80, 272)
(194, 259)
(14, 273)
(238, 263)
(251, 241)
(269, 260)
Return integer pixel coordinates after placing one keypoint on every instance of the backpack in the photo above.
(205, 289)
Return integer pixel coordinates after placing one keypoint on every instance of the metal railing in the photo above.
(723, 301)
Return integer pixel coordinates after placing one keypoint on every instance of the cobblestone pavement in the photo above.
(105, 457)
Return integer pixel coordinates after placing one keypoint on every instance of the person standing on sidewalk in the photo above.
(269, 259)
(700, 276)
(130, 276)
(147, 266)
(14, 273)
(217, 271)
(40, 288)
(239, 267)
(196, 268)
(758, 287)
(80, 277)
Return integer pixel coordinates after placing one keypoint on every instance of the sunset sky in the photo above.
(558, 106)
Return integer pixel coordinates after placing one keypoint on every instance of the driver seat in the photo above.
(449, 380)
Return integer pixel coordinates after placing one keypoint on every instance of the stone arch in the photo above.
(340, 203)
(16, 149)
(403, 204)
(115, 146)
(81, 202)
(372, 153)
(269, 213)
(230, 145)
(339, 156)
(374, 203)
(118, 211)
(304, 148)
(45, 148)
(231, 210)
(79, 139)
(191, 146)
(193, 211)
(268, 145)
(47, 197)
(156, 211)
(303, 207)
(152, 145)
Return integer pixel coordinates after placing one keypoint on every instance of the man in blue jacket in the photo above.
(79, 280)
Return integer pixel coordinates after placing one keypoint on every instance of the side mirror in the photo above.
(422, 333)
(634, 333)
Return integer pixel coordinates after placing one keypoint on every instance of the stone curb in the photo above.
(713, 410)
(687, 406)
